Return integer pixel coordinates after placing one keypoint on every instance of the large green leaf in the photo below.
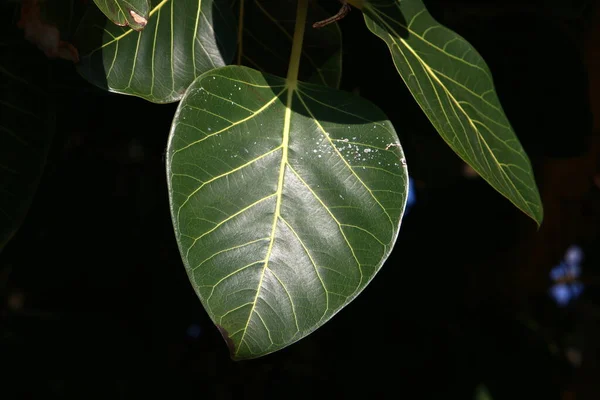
(26, 126)
(268, 29)
(454, 87)
(183, 39)
(286, 200)
(126, 12)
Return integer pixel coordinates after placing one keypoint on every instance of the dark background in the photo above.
(95, 301)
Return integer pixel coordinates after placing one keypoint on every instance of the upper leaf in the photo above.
(286, 200)
(454, 87)
(183, 39)
(126, 12)
(268, 28)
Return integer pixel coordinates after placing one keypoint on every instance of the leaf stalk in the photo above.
(240, 33)
(294, 65)
(344, 10)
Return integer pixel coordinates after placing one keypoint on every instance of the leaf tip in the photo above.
(536, 214)
(539, 218)
(228, 340)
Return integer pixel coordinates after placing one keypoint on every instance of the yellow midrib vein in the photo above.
(434, 76)
(291, 85)
(277, 213)
(507, 178)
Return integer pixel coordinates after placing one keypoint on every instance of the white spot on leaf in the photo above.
(138, 18)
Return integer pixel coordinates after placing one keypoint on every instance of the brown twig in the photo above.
(340, 14)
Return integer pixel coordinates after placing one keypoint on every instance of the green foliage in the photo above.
(266, 42)
(133, 13)
(182, 40)
(286, 199)
(286, 193)
(454, 87)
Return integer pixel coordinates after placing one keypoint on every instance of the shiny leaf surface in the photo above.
(183, 39)
(454, 87)
(286, 199)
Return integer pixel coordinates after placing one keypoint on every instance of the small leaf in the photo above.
(126, 12)
(182, 40)
(454, 87)
(26, 126)
(286, 200)
(268, 28)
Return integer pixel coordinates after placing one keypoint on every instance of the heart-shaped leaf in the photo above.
(454, 87)
(26, 126)
(126, 12)
(183, 39)
(268, 29)
(286, 199)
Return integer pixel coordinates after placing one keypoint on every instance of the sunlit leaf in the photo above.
(268, 28)
(286, 201)
(454, 87)
(182, 40)
(26, 126)
(126, 12)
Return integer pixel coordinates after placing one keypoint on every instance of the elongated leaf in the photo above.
(126, 12)
(183, 39)
(454, 87)
(268, 28)
(26, 126)
(285, 200)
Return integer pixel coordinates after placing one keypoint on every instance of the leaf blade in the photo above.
(454, 87)
(182, 40)
(281, 217)
(133, 13)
